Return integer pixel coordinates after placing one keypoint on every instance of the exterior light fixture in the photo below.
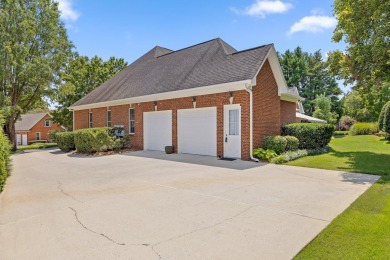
(155, 105)
(194, 102)
(231, 97)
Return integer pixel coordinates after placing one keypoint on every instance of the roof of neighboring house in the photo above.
(310, 118)
(27, 121)
(162, 70)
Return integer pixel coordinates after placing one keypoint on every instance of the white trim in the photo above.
(73, 122)
(90, 122)
(290, 97)
(310, 118)
(226, 108)
(212, 89)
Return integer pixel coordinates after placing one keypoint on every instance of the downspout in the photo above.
(73, 121)
(248, 88)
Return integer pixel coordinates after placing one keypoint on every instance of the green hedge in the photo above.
(5, 160)
(280, 144)
(364, 129)
(276, 143)
(310, 135)
(92, 140)
(65, 141)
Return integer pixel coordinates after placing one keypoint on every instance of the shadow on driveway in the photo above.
(196, 159)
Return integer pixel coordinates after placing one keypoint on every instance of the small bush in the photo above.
(346, 122)
(364, 129)
(65, 141)
(292, 143)
(5, 160)
(310, 135)
(260, 153)
(92, 140)
(277, 143)
(293, 155)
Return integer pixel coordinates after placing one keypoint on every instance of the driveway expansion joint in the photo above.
(92, 231)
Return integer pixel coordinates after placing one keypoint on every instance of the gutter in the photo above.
(248, 88)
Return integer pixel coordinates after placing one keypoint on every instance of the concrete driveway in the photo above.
(148, 205)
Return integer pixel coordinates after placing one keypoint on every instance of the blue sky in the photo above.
(128, 29)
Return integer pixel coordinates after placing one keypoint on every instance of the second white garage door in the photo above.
(157, 130)
(197, 131)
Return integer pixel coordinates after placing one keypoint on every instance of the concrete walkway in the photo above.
(148, 205)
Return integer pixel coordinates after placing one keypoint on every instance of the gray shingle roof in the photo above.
(27, 121)
(162, 70)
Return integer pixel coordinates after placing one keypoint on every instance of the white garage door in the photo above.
(157, 130)
(197, 131)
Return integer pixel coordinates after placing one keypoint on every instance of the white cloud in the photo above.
(313, 24)
(263, 7)
(67, 11)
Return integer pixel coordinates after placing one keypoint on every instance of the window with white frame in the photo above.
(234, 123)
(37, 136)
(131, 121)
(90, 120)
(108, 118)
(47, 123)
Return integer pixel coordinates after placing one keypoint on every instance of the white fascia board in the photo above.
(272, 58)
(212, 89)
(290, 97)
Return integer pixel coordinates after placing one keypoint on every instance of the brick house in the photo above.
(34, 127)
(206, 99)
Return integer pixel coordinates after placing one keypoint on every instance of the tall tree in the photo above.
(33, 48)
(322, 109)
(309, 73)
(81, 76)
(365, 28)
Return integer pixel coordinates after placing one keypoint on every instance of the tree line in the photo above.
(40, 65)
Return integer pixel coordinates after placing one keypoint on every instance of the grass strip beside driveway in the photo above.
(362, 231)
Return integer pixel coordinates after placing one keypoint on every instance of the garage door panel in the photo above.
(197, 131)
(157, 130)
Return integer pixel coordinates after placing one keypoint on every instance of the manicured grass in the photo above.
(363, 230)
(36, 146)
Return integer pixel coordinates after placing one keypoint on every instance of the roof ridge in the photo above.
(261, 46)
(223, 45)
(189, 47)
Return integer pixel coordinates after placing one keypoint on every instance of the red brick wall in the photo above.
(266, 106)
(120, 115)
(287, 112)
(81, 119)
(39, 127)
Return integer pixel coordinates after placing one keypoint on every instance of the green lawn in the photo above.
(363, 230)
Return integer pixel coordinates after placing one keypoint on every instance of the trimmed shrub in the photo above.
(384, 118)
(277, 143)
(364, 129)
(340, 133)
(93, 140)
(292, 143)
(52, 135)
(293, 155)
(5, 160)
(65, 141)
(310, 135)
(346, 122)
(260, 153)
